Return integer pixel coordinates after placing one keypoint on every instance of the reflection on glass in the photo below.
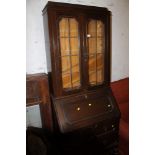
(69, 46)
(96, 47)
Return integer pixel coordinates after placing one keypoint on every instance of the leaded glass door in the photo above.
(96, 51)
(70, 53)
(73, 59)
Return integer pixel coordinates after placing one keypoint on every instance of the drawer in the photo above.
(104, 128)
(108, 138)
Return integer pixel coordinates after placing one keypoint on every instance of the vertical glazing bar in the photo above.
(96, 52)
(70, 52)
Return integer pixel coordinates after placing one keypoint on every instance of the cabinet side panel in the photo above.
(108, 54)
(48, 52)
(47, 42)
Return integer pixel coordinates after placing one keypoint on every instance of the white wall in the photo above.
(35, 54)
(33, 117)
(36, 59)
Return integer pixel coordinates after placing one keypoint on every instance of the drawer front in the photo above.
(104, 128)
(108, 138)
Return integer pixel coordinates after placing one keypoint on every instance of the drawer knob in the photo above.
(112, 126)
(78, 108)
(109, 105)
(86, 96)
(90, 104)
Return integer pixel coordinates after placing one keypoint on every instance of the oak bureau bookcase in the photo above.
(77, 40)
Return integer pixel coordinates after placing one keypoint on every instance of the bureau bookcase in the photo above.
(77, 40)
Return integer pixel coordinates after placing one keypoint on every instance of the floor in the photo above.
(34, 144)
(123, 149)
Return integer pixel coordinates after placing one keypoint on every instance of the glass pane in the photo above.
(74, 46)
(75, 63)
(100, 61)
(76, 79)
(66, 79)
(100, 45)
(100, 29)
(92, 63)
(66, 71)
(64, 45)
(99, 76)
(69, 47)
(92, 28)
(100, 68)
(92, 78)
(65, 61)
(64, 29)
(92, 45)
(96, 47)
(73, 27)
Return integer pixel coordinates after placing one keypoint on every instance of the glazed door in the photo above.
(70, 54)
(95, 51)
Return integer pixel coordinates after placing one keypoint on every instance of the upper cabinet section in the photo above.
(79, 43)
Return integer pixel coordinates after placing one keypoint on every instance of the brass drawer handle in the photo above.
(78, 108)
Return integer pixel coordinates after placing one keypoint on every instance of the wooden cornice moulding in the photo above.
(37, 92)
